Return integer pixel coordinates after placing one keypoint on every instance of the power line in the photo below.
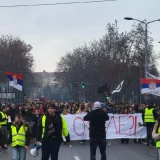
(53, 4)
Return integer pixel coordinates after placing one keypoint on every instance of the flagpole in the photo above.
(23, 91)
(7, 93)
(140, 85)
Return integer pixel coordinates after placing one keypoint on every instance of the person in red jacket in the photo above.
(40, 109)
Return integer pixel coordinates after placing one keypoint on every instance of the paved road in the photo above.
(115, 151)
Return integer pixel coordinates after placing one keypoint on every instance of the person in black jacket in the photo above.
(49, 131)
(97, 118)
(12, 112)
(35, 123)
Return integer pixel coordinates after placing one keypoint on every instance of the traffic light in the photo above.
(106, 94)
(107, 97)
(83, 85)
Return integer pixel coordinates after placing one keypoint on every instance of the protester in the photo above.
(149, 117)
(20, 138)
(33, 113)
(13, 112)
(51, 128)
(35, 123)
(97, 118)
(156, 136)
(3, 128)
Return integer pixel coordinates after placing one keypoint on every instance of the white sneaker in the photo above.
(70, 146)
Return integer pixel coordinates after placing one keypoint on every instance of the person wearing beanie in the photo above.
(97, 119)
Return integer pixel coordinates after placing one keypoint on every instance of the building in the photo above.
(7, 94)
(43, 79)
(46, 87)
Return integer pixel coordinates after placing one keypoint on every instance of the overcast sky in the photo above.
(55, 30)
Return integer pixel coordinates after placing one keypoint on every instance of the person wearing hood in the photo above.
(97, 119)
(149, 117)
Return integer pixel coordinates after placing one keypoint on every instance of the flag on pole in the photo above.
(150, 86)
(119, 87)
(152, 76)
(15, 80)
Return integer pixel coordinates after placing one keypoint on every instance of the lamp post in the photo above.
(146, 39)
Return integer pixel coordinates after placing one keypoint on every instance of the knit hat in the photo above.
(97, 105)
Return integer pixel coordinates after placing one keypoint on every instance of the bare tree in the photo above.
(15, 56)
(113, 58)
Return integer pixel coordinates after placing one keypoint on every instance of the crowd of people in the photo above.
(28, 109)
(31, 119)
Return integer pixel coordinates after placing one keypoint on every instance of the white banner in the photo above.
(118, 126)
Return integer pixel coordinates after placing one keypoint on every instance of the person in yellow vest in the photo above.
(149, 117)
(50, 130)
(3, 128)
(156, 136)
(20, 138)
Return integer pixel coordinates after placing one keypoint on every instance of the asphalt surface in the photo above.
(115, 151)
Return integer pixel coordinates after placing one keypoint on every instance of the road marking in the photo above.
(76, 158)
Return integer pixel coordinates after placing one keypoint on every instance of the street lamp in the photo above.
(146, 36)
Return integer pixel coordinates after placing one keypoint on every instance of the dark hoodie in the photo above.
(55, 122)
(97, 119)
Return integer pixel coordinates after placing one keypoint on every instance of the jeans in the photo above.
(19, 153)
(101, 143)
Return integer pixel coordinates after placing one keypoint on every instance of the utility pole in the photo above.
(146, 39)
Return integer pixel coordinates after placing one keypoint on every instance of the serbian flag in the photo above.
(15, 80)
(149, 85)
